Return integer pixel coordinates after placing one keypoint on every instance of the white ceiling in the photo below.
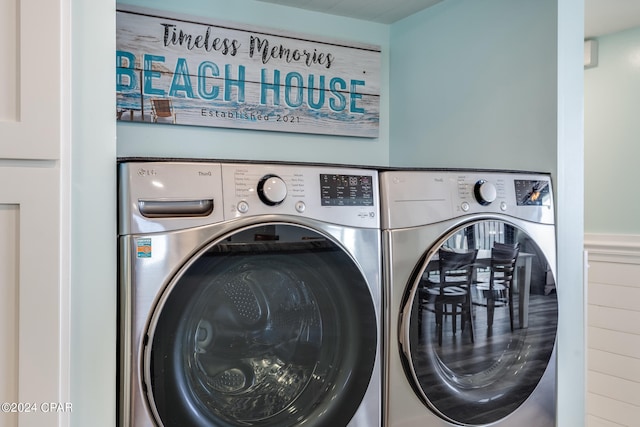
(601, 16)
(383, 11)
(610, 16)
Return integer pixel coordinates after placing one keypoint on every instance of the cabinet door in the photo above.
(30, 315)
(33, 297)
(30, 72)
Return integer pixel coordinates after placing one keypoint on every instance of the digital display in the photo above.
(346, 190)
(532, 193)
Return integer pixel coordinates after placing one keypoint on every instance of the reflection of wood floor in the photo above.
(523, 354)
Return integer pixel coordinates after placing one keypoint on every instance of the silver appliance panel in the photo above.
(415, 198)
(160, 196)
(421, 211)
(168, 215)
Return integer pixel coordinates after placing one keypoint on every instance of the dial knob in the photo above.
(272, 190)
(485, 192)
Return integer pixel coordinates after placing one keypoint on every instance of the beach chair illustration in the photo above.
(162, 108)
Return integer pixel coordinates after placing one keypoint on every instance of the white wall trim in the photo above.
(64, 418)
(612, 329)
(615, 248)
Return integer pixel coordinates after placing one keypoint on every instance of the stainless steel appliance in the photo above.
(469, 342)
(250, 295)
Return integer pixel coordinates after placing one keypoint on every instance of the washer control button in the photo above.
(503, 206)
(243, 207)
(485, 192)
(300, 206)
(272, 190)
(465, 206)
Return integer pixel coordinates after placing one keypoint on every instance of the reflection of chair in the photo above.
(505, 246)
(452, 290)
(482, 235)
(497, 291)
(162, 108)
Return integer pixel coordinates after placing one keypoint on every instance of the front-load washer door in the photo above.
(479, 322)
(273, 325)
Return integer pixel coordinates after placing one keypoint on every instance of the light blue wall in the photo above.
(473, 59)
(474, 85)
(137, 139)
(612, 130)
(498, 84)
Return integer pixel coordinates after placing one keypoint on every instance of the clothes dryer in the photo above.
(250, 295)
(471, 342)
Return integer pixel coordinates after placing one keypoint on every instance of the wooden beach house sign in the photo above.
(194, 71)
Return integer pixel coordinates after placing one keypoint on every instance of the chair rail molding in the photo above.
(618, 248)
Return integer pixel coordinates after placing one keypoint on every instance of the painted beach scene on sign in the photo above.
(176, 69)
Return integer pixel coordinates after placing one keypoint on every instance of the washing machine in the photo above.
(472, 311)
(250, 295)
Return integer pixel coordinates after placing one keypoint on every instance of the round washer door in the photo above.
(273, 325)
(479, 327)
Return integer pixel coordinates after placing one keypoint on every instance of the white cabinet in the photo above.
(30, 317)
(30, 77)
(34, 328)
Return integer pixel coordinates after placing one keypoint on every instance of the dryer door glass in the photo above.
(481, 316)
(271, 326)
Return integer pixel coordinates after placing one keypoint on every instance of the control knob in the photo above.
(272, 190)
(485, 192)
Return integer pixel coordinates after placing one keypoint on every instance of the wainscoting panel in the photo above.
(613, 330)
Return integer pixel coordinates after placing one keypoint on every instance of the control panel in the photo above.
(417, 197)
(345, 196)
(533, 192)
(346, 190)
(160, 196)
